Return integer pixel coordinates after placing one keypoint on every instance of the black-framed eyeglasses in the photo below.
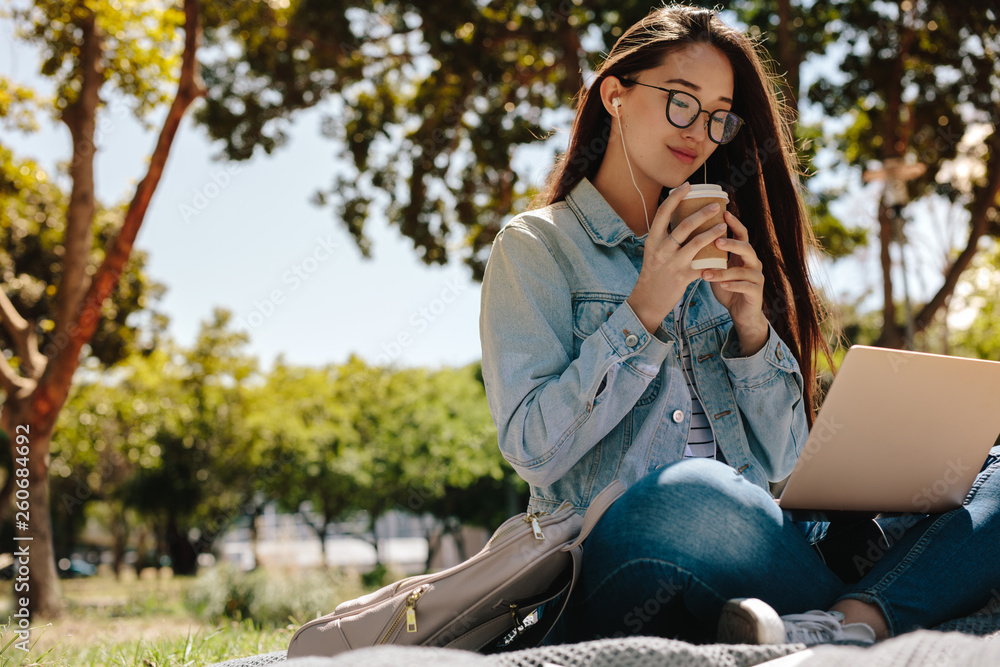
(684, 108)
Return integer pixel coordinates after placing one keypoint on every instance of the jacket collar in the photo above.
(596, 216)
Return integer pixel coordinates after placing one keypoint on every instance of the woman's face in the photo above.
(667, 154)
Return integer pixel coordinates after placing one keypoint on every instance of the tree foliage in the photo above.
(186, 443)
(981, 295)
(33, 227)
(354, 437)
(139, 56)
(432, 101)
(920, 80)
(137, 48)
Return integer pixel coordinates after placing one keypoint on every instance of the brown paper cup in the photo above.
(711, 257)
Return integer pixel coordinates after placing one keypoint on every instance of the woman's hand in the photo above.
(740, 288)
(666, 266)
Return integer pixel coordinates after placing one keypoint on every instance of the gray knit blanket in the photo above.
(965, 642)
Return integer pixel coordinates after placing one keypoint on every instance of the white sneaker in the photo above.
(753, 621)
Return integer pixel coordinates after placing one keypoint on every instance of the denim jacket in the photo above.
(582, 395)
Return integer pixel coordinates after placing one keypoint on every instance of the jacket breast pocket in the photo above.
(590, 311)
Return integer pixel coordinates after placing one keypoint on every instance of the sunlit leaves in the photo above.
(141, 42)
(980, 297)
(18, 106)
(924, 74)
(32, 230)
(431, 100)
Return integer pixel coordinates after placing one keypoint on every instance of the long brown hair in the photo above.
(759, 167)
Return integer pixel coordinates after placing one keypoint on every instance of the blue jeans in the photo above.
(668, 554)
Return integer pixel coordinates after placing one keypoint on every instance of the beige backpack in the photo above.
(490, 603)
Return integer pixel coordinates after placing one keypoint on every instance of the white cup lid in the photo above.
(703, 190)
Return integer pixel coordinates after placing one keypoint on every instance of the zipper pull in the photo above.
(411, 620)
(535, 527)
(411, 612)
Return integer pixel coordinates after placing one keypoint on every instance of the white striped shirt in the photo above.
(701, 439)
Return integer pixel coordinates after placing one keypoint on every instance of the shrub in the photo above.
(269, 598)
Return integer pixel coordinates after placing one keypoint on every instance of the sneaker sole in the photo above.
(750, 621)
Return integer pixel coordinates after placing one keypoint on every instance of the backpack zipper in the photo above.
(530, 517)
(409, 612)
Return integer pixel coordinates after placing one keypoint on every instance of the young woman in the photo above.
(606, 356)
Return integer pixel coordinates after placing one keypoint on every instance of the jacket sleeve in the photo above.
(768, 391)
(550, 408)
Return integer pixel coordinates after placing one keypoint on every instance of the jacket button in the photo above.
(778, 353)
(631, 340)
(678, 416)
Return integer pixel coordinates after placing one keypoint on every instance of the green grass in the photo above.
(200, 646)
(165, 622)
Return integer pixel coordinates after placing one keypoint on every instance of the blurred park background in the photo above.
(240, 246)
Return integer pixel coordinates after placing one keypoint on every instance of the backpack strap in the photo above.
(596, 510)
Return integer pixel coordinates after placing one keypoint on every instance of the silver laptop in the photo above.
(898, 432)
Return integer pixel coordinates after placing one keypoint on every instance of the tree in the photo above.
(195, 485)
(792, 34)
(980, 293)
(30, 263)
(462, 479)
(432, 101)
(85, 45)
(919, 76)
(101, 437)
(31, 269)
(304, 426)
(355, 438)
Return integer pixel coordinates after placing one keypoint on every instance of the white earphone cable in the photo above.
(645, 212)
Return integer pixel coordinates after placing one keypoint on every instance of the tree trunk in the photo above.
(33, 526)
(81, 118)
(45, 590)
(183, 557)
(892, 333)
(161, 548)
(258, 510)
(34, 399)
(459, 538)
(140, 549)
(378, 554)
(119, 534)
(435, 536)
(788, 53)
(985, 207)
(320, 532)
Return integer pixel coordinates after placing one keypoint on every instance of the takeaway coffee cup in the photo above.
(711, 257)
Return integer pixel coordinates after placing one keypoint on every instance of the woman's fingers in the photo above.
(735, 274)
(706, 238)
(661, 221)
(742, 249)
(740, 232)
(690, 224)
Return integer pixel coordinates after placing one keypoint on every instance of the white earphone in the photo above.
(616, 103)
